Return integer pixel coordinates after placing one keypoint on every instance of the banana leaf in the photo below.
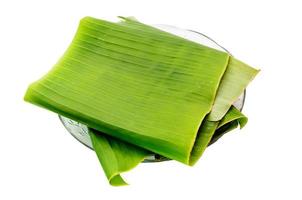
(116, 156)
(142, 90)
(235, 79)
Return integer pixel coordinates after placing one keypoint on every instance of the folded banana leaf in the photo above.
(143, 90)
(116, 156)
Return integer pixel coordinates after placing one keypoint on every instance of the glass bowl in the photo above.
(80, 131)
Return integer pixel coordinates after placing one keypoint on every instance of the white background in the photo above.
(40, 160)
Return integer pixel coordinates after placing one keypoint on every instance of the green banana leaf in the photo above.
(235, 79)
(229, 122)
(116, 156)
(142, 90)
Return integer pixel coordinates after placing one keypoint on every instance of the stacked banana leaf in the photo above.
(141, 90)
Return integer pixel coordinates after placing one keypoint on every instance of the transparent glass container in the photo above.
(80, 131)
